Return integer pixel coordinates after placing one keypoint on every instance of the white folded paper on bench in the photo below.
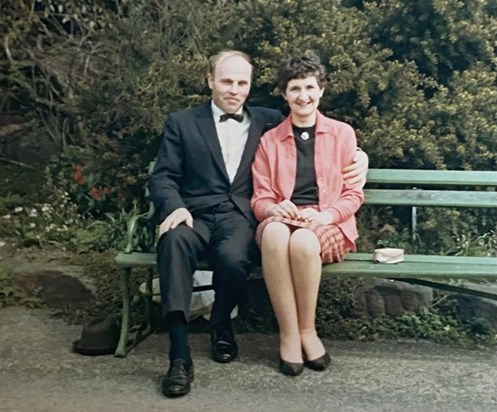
(388, 255)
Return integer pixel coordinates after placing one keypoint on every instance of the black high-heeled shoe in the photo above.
(319, 364)
(290, 368)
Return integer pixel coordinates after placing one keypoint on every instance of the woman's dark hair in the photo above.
(300, 67)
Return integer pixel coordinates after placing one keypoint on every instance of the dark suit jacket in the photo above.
(189, 170)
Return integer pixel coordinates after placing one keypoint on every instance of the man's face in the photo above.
(230, 83)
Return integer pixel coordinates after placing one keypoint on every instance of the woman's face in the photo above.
(303, 97)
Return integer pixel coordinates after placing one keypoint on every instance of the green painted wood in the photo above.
(433, 177)
(427, 270)
(361, 265)
(473, 260)
(145, 260)
(137, 259)
(442, 198)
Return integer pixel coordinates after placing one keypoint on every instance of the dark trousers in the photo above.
(226, 239)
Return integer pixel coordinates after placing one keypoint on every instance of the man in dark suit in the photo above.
(201, 187)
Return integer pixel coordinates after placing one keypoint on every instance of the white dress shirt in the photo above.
(232, 137)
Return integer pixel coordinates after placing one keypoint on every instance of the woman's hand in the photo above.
(313, 215)
(284, 209)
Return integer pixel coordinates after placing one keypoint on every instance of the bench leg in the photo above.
(145, 328)
(125, 314)
(132, 335)
(149, 310)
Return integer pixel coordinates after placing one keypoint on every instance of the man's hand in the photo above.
(285, 209)
(356, 172)
(174, 219)
(313, 215)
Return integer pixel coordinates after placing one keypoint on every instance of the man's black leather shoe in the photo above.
(223, 346)
(178, 378)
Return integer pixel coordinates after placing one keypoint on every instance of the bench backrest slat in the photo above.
(433, 177)
(418, 197)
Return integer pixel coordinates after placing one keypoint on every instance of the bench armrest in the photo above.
(141, 233)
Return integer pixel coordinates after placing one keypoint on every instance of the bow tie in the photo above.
(226, 116)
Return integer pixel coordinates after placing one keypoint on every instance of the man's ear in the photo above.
(210, 80)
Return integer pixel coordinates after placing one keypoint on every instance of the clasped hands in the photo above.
(289, 210)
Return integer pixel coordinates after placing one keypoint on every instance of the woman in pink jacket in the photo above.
(305, 207)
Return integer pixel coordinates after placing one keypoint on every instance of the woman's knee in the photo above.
(275, 237)
(305, 244)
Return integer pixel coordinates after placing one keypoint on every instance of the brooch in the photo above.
(304, 136)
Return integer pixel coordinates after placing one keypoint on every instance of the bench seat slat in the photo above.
(425, 270)
(361, 265)
(433, 177)
(473, 260)
(439, 198)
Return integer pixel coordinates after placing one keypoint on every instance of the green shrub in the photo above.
(9, 295)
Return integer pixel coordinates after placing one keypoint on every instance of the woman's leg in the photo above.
(305, 264)
(278, 279)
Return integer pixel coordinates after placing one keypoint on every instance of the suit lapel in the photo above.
(207, 129)
(254, 136)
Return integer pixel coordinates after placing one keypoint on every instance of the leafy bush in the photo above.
(9, 295)
(417, 80)
(75, 172)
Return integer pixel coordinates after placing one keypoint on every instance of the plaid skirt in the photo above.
(330, 237)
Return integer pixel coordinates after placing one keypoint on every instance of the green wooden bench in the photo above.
(417, 188)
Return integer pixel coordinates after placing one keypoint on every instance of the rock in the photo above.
(57, 286)
(392, 298)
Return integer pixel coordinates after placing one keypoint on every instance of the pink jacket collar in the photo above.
(287, 129)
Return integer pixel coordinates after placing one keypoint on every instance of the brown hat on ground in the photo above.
(98, 337)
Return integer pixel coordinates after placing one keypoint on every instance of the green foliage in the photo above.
(40, 223)
(63, 218)
(59, 224)
(101, 235)
(9, 295)
(416, 79)
(469, 244)
(51, 48)
(75, 174)
(441, 323)
(18, 183)
(442, 37)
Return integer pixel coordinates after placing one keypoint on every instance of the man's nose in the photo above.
(234, 89)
